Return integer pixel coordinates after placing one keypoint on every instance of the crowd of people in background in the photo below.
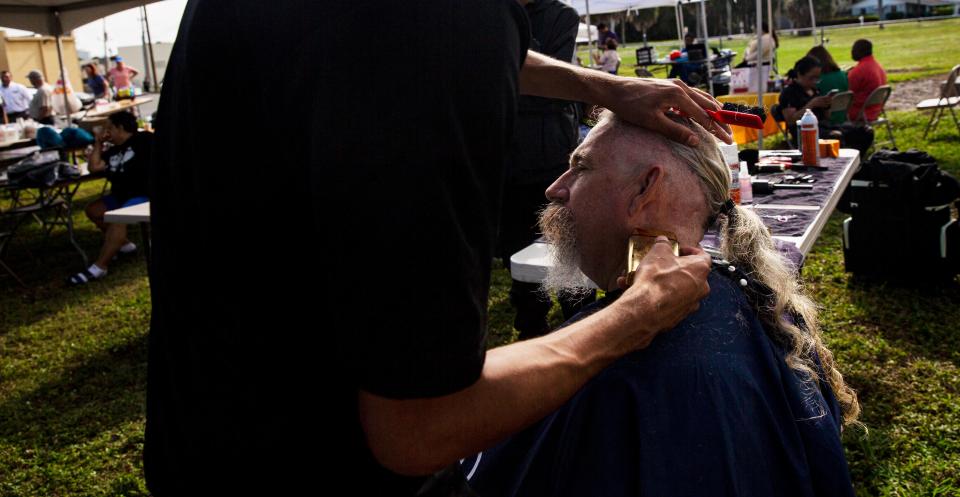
(17, 101)
(816, 79)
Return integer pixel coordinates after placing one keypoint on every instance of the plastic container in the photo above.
(746, 185)
(732, 159)
(809, 139)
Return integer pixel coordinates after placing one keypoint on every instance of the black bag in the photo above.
(42, 169)
(856, 136)
(901, 226)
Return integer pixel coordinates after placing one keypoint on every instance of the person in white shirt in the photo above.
(16, 98)
(41, 107)
(770, 45)
(610, 60)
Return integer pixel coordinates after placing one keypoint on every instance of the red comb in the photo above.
(736, 118)
(732, 118)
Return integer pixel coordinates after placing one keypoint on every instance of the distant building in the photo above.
(22, 54)
(134, 56)
(908, 8)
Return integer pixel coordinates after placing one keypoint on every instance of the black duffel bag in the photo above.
(901, 225)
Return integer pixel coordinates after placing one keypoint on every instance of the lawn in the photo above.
(73, 360)
(906, 50)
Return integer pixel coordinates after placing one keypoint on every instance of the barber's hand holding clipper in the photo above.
(665, 288)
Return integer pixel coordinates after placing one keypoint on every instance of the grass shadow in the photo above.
(105, 390)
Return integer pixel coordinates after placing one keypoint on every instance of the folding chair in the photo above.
(840, 103)
(879, 97)
(949, 98)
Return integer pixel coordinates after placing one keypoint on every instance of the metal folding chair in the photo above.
(840, 103)
(949, 98)
(879, 97)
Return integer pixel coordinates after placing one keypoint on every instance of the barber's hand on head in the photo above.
(645, 102)
(665, 288)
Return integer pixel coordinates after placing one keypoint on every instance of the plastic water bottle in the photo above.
(733, 162)
(809, 138)
(746, 187)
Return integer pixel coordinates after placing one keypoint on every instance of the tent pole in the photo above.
(813, 21)
(770, 16)
(706, 36)
(153, 60)
(63, 79)
(682, 24)
(589, 38)
(760, 82)
(676, 14)
(106, 55)
(63, 74)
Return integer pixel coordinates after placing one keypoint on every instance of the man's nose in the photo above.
(558, 191)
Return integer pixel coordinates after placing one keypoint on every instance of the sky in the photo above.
(123, 29)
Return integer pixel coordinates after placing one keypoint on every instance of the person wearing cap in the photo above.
(16, 98)
(121, 75)
(41, 106)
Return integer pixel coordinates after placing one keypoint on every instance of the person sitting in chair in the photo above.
(741, 398)
(866, 76)
(689, 73)
(802, 94)
(126, 163)
(609, 61)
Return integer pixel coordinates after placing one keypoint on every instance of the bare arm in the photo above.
(791, 114)
(639, 100)
(525, 381)
(95, 162)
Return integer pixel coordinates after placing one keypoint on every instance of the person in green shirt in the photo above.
(831, 78)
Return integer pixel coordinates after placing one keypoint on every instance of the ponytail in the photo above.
(789, 315)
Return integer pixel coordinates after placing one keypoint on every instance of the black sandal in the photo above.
(81, 278)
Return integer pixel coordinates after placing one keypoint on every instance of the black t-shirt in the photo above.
(353, 233)
(128, 166)
(546, 128)
(796, 96)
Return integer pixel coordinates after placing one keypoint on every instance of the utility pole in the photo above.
(153, 60)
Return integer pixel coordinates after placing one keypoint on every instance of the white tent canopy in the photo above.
(611, 6)
(56, 17)
(583, 36)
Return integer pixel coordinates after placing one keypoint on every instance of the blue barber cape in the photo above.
(708, 409)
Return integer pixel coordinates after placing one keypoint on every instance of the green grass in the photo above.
(73, 362)
(906, 50)
(73, 370)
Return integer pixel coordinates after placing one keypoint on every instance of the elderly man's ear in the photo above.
(647, 188)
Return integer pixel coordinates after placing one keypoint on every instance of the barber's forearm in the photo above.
(545, 77)
(520, 384)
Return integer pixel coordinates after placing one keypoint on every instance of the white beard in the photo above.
(565, 274)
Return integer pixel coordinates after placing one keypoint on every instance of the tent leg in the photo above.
(63, 79)
(759, 66)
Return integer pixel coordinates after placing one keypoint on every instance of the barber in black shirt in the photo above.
(324, 348)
